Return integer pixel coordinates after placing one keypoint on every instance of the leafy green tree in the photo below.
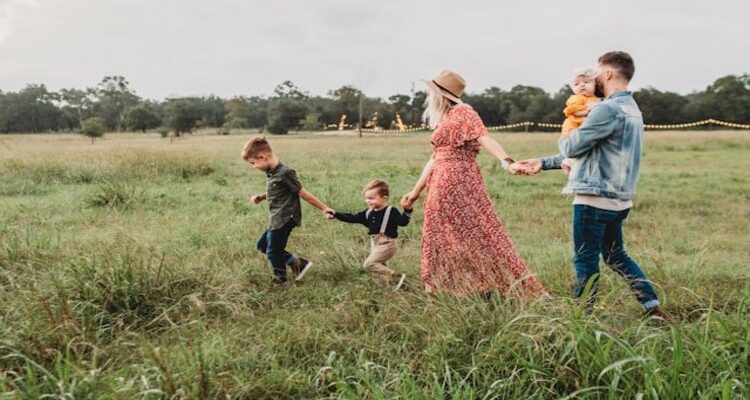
(347, 101)
(311, 122)
(145, 115)
(182, 115)
(252, 110)
(289, 90)
(93, 128)
(660, 107)
(78, 102)
(213, 112)
(115, 98)
(284, 113)
(728, 98)
(33, 109)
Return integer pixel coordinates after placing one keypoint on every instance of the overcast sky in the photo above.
(232, 47)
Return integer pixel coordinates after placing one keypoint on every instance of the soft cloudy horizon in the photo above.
(182, 48)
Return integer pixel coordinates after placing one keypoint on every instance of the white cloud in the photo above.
(9, 12)
(229, 47)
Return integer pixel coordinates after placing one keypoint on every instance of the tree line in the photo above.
(112, 105)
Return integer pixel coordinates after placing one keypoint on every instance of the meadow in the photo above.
(128, 269)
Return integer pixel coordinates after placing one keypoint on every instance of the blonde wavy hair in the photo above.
(436, 105)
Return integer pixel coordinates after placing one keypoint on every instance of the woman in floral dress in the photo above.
(465, 248)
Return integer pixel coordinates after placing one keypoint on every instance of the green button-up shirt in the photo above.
(282, 193)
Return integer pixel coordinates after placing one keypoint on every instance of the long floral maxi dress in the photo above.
(465, 248)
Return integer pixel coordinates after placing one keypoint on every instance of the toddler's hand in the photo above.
(329, 213)
(565, 169)
(256, 199)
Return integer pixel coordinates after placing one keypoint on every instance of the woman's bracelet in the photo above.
(506, 162)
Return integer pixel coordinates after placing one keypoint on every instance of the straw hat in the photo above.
(448, 83)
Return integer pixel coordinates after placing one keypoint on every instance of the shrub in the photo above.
(93, 128)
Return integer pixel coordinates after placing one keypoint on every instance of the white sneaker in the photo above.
(400, 282)
(304, 266)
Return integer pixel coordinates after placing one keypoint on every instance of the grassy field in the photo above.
(128, 270)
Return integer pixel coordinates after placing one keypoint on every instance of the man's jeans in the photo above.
(273, 244)
(597, 231)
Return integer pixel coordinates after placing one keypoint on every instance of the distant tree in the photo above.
(347, 101)
(417, 107)
(401, 104)
(326, 108)
(212, 110)
(181, 115)
(287, 89)
(526, 103)
(145, 115)
(311, 122)
(284, 114)
(659, 107)
(93, 128)
(728, 98)
(115, 98)
(32, 109)
(492, 105)
(78, 102)
(556, 106)
(252, 110)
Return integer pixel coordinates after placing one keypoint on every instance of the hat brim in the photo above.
(444, 93)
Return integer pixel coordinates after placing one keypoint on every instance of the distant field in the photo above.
(128, 270)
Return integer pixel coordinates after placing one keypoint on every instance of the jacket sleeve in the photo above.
(598, 126)
(552, 162)
(358, 218)
(404, 218)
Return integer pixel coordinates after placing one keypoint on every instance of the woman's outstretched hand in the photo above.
(409, 199)
(526, 167)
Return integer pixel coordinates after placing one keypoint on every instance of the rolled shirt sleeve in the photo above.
(292, 182)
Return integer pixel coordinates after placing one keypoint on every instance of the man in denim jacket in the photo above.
(608, 148)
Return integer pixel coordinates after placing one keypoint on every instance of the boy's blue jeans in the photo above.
(273, 244)
(595, 232)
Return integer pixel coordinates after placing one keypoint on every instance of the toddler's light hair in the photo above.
(588, 73)
(381, 186)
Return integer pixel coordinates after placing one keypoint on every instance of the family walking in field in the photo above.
(465, 247)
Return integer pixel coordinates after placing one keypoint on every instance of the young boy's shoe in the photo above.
(400, 283)
(300, 268)
(657, 312)
(278, 283)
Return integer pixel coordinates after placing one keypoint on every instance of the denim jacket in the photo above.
(608, 148)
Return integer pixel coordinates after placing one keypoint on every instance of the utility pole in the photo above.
(360, 115)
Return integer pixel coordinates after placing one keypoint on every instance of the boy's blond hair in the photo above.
(256, 147)
(381, 186)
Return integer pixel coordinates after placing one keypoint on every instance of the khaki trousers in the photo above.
(382, 249)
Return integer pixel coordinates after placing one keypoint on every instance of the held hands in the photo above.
(531, 166)
(409, 199)
(329, 213)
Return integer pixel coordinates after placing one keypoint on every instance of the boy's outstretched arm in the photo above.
(258, 198)
(359, 218)
(405, 217)
(310, 198)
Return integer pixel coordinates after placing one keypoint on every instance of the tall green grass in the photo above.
(128, 270)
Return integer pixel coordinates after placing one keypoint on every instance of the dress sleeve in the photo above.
(467, 126)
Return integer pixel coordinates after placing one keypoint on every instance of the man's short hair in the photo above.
(621, 61)
(256, 147)
(381, 186)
